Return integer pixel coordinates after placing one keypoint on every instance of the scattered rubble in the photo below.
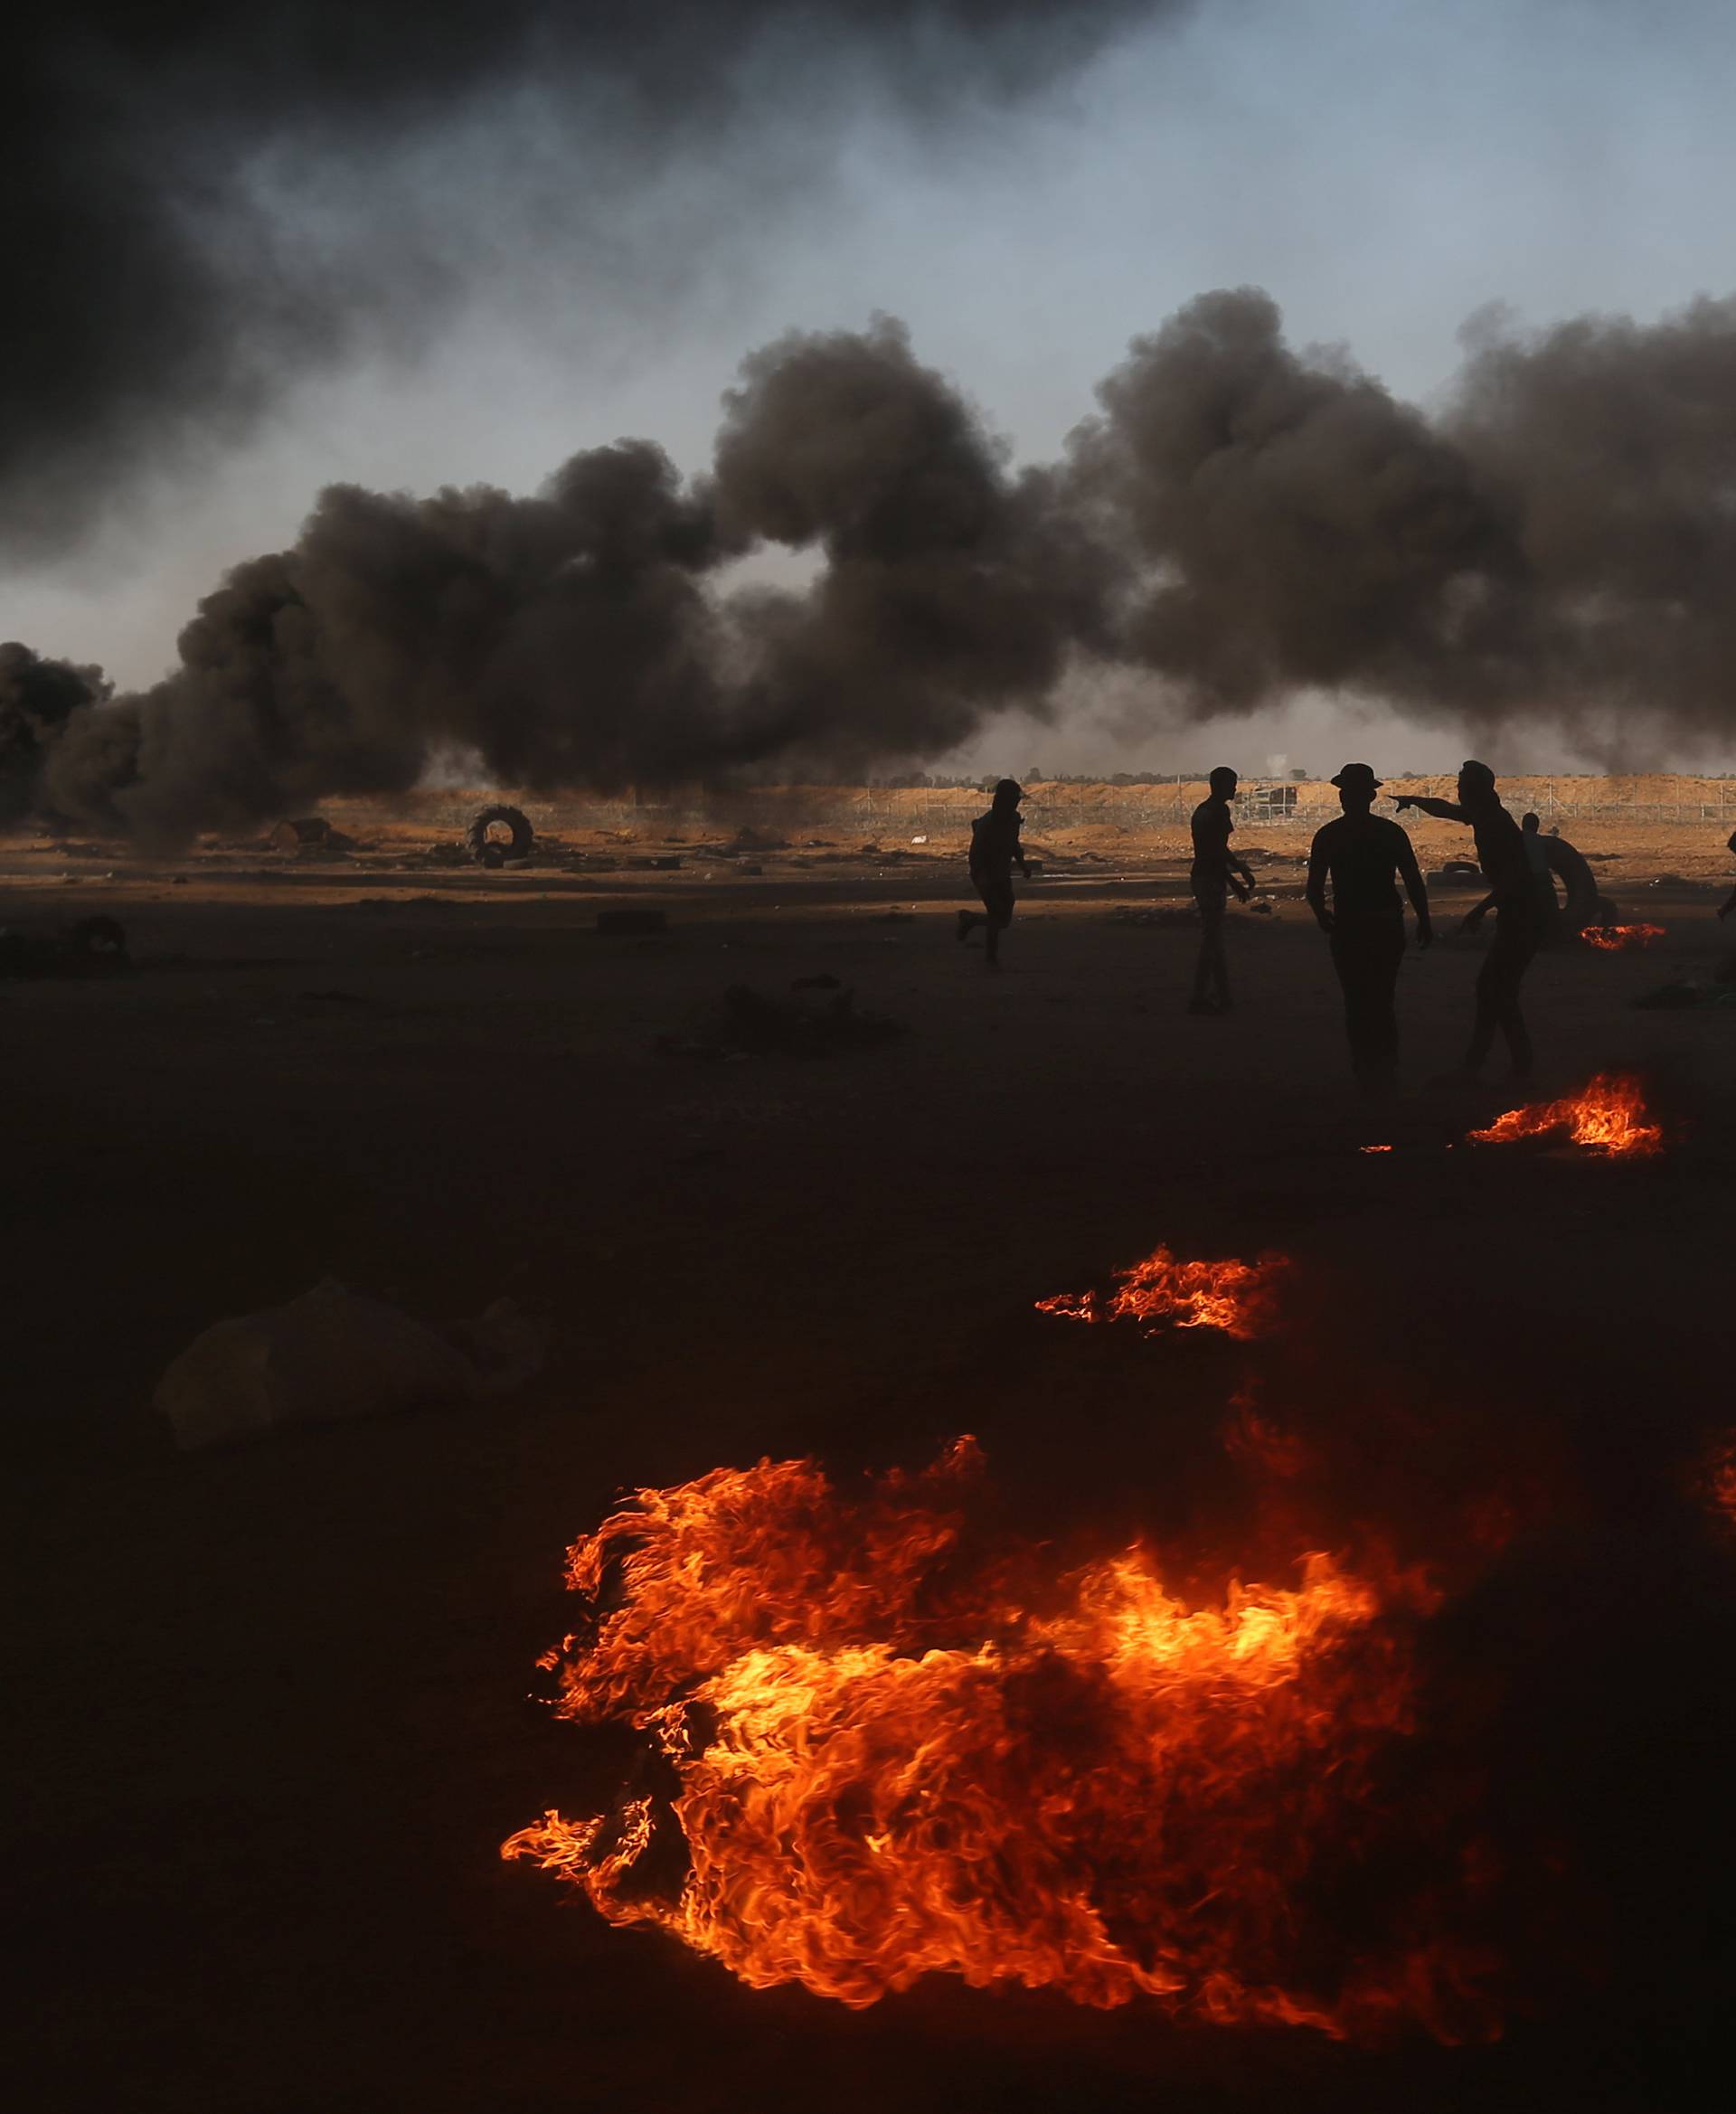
(1166, 914)
(312, 832)
(1683, 992)
(93, 947)
(816, 1019)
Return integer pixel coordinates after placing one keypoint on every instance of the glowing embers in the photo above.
(1719, 1477)
(1239, 1297)
(889, 1752)
(1609, 1116)
(1621, 939)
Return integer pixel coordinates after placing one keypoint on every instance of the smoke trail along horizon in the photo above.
(1239, 519)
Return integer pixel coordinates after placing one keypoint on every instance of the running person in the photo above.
(994, 851)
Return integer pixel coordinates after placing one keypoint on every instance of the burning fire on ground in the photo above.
(1239, 1297)
(1719, 1477)
(889, 1754)
(1609, 1116)
(1619, 939)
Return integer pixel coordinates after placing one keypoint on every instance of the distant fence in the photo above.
(1294, 805)
(1053, 807)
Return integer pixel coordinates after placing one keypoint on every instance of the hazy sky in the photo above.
(1384, 168)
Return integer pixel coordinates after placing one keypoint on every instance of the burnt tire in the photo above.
(487, 849)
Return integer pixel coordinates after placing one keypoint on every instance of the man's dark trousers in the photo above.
(1366, 952)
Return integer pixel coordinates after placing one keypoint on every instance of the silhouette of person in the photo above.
(994, 851)
(1501, 854)
(1551, 856)
(1360, 854)
(1543, 871)
(1729, 903)
(1214, 872)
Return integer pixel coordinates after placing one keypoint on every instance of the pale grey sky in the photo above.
(1383, 167)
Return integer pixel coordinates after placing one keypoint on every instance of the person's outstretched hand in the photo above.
(1425, 935)
(1403, 800)
(1325, 921)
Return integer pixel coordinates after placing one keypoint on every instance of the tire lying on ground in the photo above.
(487, 849)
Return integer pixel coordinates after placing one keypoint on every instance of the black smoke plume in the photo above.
(1558, 546)
(1241, 520)
(574, 637)
(38, 698)
(156, 305)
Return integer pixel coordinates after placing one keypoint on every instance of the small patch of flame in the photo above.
(1609, 1116)
(883, 1765)
(1239, 1297)
(1615, 939)
(1719, 1477)
(1373, 1148)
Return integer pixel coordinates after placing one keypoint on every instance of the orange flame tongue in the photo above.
(1126, 1796)
(1614, 938)
(1609, 1115)
(1238, 1298)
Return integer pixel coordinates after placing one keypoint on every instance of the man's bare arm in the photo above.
(1443, 810)
(1316, 890)
(1412, 874)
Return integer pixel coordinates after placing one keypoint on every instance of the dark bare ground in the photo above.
(270, 1709)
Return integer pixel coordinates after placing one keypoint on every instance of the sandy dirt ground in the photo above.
(269, 1706)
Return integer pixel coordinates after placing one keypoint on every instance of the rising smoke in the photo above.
(158, 300)
(1240, 520)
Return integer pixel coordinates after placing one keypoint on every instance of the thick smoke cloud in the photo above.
(950, 590)
(574, 637)
(1297, 524)
(38, 698)
(1239, 521)
(154, 305)
(1558, 547)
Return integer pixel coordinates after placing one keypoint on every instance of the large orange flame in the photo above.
(1615, 938)
(1609, 1116)
(887, 1762)
(1239, 1297)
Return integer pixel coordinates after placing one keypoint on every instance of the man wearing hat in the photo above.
(994, 851)
(1501, 854)
(1360, 854)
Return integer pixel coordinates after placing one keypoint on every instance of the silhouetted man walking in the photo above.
(994, 851)
(1215, 871)
(1360, 854)
(1501, 854)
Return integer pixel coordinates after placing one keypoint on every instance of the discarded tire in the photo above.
(487, 848)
